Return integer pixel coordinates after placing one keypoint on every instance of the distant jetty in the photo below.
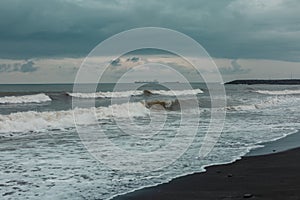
(266, 82)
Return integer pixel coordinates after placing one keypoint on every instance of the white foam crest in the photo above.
(268, 103)
(40, 121)
(177, 92)
(135, 93)
(34, 98)
(242, 107)
(107, 94)
(278, 92)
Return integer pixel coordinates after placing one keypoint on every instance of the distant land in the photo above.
(266, 82)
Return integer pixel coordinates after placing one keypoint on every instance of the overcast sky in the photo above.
(45, 41)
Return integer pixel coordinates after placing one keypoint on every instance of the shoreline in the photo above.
(286, 143)
(263, 161)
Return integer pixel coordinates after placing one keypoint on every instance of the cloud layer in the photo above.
(28, 66)
(265, 29)
(235, 68)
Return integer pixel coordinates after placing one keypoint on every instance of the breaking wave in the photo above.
(39, 121)
(106, 94)
(176, 92)
(242, 107)
(278, 92)
(136, 93)
(35, 98)
(267, 103)
(172, 105)
(163, 104)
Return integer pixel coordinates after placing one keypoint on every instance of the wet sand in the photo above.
(271, 177)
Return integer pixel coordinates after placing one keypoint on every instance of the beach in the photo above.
(256, 176)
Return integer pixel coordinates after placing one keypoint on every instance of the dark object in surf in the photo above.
(164, 104)
(246, 196)
(147, 93)
(266, 82)
(167, 104)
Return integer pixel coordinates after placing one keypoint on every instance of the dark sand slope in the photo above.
(275, 176)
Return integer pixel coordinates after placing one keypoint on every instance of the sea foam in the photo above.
(40, 121)
(278, 92)
(34, 98)
(120, 94)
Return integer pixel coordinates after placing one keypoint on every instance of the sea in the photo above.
(43, 156)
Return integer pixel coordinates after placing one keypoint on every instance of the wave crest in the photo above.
(136, 93)
(174, 92)
(39, 121)
(34, 98)
(106, 94)
(278, 92)
(165, 104)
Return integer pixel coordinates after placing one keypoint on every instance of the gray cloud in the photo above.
(133, 59)
(228, 29)
(28, 66)
(235, 68)
(5, 68)
(116, 62)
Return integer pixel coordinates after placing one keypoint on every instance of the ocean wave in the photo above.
(278, 92)
(267, 103)
(242, 107)
(106, 94)
(40, 121)
(136, 93)
(176, 92)
(172, 105)
(162, 104)
(34, 98)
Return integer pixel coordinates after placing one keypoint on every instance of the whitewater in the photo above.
(43, 156)
(119, 94)
(35, 98)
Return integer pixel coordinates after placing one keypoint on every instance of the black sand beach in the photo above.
(271, 177)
